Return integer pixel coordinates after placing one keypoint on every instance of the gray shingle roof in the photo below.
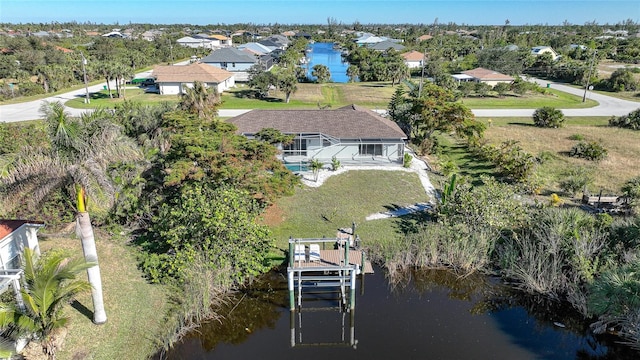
(349, 122)
(230, 55)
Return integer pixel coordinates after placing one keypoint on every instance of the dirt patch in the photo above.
(272, 216)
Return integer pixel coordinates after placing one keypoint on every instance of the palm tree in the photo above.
(50, 283)
(315, 165)
(321, 73)
(81, 151)
(201, 101)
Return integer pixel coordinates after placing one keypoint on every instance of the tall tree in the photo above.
(288, 84)
(77, 159)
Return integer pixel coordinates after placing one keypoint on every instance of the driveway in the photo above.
(607, 106)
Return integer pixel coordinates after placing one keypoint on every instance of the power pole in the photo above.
(424, 60)
(86, 85)
(586, 86)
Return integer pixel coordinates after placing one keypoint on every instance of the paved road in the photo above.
(607, 105)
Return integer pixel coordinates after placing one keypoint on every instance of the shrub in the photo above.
(406, 160)
(575, 179)
(548, 117)
(576, 137)
(335, 163)
(629, 121)
(591, 150)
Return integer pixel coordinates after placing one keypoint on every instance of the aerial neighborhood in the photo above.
(196, 191)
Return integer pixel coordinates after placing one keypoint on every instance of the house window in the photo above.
(233, 64)
(10, 256)
(223, 65)
(370, 149)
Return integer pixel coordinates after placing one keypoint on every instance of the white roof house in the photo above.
(539, 50)
(195, 43)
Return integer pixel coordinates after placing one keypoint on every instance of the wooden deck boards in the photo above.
(334, 258)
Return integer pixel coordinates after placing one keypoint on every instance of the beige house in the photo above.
(174, 79)
(484, 76)
(539, 50)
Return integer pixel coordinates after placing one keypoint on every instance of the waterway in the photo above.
(428, 315)
(325, 54)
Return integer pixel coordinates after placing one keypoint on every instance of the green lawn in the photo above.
(101, 99)
(374, 95)
(555, 98)
(343, 199)
(135, 309)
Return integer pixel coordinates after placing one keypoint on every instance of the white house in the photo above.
(483, 75)
(15, 236)
(195, 43)
(174, 79)
(351, 134)
(413, 59)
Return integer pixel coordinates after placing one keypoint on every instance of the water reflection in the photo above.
(429, 314)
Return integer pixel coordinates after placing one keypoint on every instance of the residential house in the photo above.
(114, 34)
(413, 59)
(483, 75)
(174, 79)
(353, 135)
(424, 37)
(150, 35)
(15, 236)
(222, 40)
(386, 45)
(195, 43)
(539, 50)
(233, 60)
(255, 48)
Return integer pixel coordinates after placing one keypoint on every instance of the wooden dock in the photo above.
(336, 258)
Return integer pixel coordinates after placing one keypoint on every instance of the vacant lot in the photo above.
(622, 163)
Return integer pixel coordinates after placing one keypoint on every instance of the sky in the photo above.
(205, 12)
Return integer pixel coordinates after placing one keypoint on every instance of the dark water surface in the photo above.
(323, 53)
(433, 315)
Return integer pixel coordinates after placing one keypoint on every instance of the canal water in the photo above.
(325, 54)
(428, 315)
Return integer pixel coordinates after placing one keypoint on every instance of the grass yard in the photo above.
(312, 96)
(622, 163)
(135, 308)
(554, 98)
(102, 99)
(343, 199)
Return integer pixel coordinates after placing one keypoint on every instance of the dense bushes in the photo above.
(629, 121)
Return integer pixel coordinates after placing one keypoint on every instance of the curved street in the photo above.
(607, 105)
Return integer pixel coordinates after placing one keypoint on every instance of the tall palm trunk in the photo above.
(109, 87)
(85, 232)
